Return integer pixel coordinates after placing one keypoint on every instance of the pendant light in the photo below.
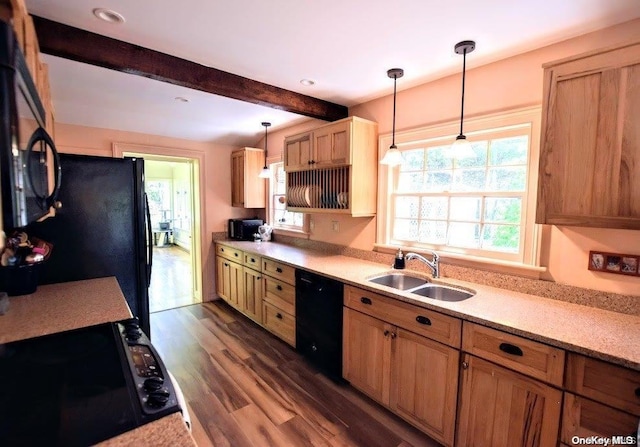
(266, 172)
(393, 157)
(462, 147)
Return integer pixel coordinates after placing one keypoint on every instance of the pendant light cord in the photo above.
(393, 132)
(464, 71)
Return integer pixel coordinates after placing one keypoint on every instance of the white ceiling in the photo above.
(345, 46)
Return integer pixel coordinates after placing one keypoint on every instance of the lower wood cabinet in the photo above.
(366, 354)
(601, 399)
(262, 289)
(424, 383)
(253, 292)
(585, 418)
(230, 282)
(415, 377)
(503, 408)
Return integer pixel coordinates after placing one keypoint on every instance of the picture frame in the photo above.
(623, 264)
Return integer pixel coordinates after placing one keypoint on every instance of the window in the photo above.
(279, 217)
(159, 196)
(479, 204)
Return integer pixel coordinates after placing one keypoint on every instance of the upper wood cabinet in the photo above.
(590, 145)
(297, 152)
(333, 168)
(247, 189)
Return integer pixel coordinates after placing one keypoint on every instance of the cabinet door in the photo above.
(236, 285)
(297, 152)
(223, 280)
(585, 418)
(589, 156)
(366, 355)
(332, 145)
(252, 303)
(502, 408)
(424, 384)
(237, 179)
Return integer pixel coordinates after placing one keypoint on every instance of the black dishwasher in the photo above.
(319, 322)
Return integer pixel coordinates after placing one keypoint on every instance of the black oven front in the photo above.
(80, 387)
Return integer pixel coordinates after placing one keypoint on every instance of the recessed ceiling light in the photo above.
(108, 15)
(307, 82)
(181, 99)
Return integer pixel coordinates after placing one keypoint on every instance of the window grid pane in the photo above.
(474, 202)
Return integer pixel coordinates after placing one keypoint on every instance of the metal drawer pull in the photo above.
(511, 349)
(279, 316)
(279, 287)
(365, 300)
(423, 320)
(226, 265)
(278, 269)
(385, 333)
(253, 260)
(235, 254)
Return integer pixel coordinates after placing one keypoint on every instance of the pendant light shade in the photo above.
(266, 172)
(393, 157)
(461, 147)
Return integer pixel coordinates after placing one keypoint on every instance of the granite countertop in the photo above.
(72, 305)
(62, 307)
(610, 336)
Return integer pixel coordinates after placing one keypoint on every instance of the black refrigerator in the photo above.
(103, 228)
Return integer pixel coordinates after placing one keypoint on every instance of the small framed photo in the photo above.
(613, 263)
(596, 261)
(629, 265)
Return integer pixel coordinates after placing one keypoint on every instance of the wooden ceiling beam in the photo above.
(79, 45)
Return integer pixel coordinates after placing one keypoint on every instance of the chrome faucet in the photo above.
(433, 265)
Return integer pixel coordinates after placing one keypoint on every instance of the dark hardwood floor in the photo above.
(245, 387)
(171, 279)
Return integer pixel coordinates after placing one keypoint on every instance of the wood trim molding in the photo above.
(80, 45)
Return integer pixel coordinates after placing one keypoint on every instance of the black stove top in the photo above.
(81, 387)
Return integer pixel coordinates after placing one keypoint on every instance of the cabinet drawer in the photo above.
(280, 271)
(279, 322)
(253, 261)
(601, 381)
(520, 354)
(585, 418)
(230, 253)
(280, 294)
(434, 325)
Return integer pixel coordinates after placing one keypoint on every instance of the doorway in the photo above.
(172, 185)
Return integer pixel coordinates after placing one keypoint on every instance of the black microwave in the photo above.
(244, 229)
(29, 166)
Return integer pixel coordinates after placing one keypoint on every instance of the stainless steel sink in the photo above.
(442, 293)
(399, 281)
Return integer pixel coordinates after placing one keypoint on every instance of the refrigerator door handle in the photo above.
(149, 239)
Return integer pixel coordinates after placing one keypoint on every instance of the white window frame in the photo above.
(278, 226)
(527, 118)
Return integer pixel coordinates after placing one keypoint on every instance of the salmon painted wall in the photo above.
(216, 184)
(507, 84)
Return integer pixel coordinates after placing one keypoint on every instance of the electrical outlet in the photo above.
(335, 225)
(312, 224)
